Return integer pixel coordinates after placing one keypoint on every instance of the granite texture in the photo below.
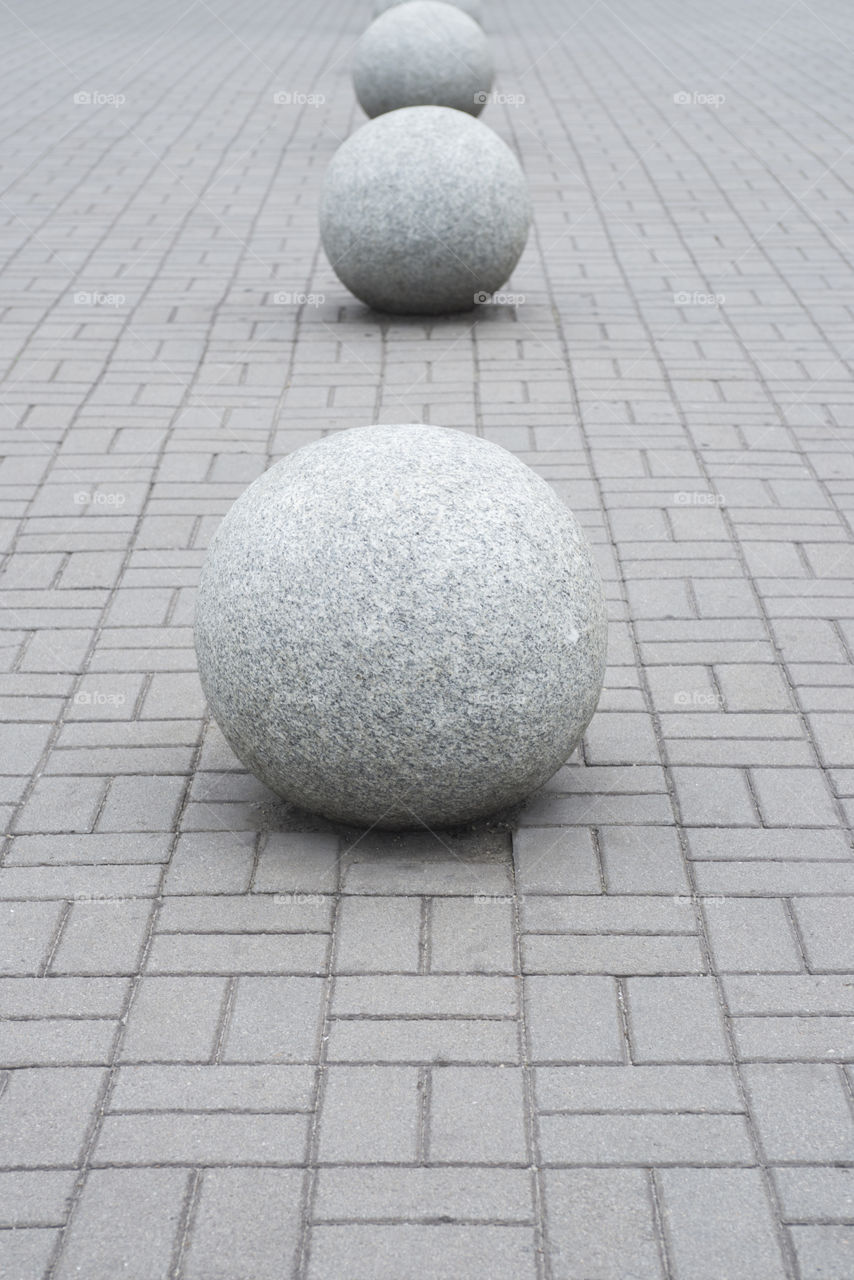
(473, 8)
(423, 53)
(401, 626)
(423, 211)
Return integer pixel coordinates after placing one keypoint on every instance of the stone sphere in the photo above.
(423, 53)
(423, 211)
(473, 8)
(401, 626)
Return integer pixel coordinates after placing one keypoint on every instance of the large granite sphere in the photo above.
(424, 210)
(401, 625)
(421, 53)
(473, 8)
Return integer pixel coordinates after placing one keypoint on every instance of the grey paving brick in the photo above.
(720, 1222)
(369, 1115)
(91, 848)
(675, 1020)
(793, 1039)
(104, 937)
(270, 1087)
(608, 915)
(642, 860)
(470, 995)
(477, 1115)
(427, 1252)
(824, 1252)
(423, 1040)
(472, 937)
(574, 1019)
(379, 935)
(761, 879)
(678, 686)
(714, 797)
(85, 884)
(229, 953)
(631, 1088)
(424, 1194)
(61, 804)
(832, 733)
(211, 862)
(183, 1138)
(551, 953)
(296, 862)
(50, 650)
(27, 932)
(27, 1251)
(621, 738)
(815, 1193)
(274, 1020)
(139, 607)
(174, 695)
(551, 860)
(579, 1202)
(34, 1042)
(384, 863)
(141, 804)
(801, 1112)
(709, 843)
(794, 797)
(246, 913)
(753, 687)
(645, 1140)
(174, 1019)
(21, 745)
(789, 994)
(46, 1115)
(105, 696)
(148, 1203)
(32, 1198)
(246, 1224)
(752, 935)
(825, 925)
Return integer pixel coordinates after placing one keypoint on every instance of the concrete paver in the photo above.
(612, 1040)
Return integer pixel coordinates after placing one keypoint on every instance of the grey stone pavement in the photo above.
(606, 1040)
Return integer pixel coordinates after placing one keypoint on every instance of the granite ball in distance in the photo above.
(401, 626)
(422, 210)
(473, 8)
(423, 53)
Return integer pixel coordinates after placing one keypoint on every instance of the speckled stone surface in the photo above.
(422, 210)
(401, 625)
(421, 53)
(473, 8)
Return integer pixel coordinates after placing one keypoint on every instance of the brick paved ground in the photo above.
(608, 1045)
